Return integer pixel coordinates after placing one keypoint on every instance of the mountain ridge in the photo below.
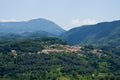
(105, 33)
(31, 26)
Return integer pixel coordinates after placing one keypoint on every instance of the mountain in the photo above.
(30, 26)
(105, 33)
(37, 34)
(9, 37)
(25, 35)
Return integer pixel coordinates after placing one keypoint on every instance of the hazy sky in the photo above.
(66, 13)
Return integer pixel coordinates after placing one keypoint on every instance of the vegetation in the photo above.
(90, 63)
(58, 66)
(29, 45)
(106, 33)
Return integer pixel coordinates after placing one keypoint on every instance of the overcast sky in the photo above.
(66, 13)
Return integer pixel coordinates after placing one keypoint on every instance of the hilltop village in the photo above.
(57, 48)
(61, 48)
(68, 49)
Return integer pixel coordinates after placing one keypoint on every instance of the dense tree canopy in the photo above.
(26, 64)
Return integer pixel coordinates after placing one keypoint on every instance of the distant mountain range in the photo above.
(105, 33)
(101, 34)
(34, 25)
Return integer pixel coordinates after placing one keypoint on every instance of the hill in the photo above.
(29, 45)
(20, 60)
(30, 26)
(106, 33)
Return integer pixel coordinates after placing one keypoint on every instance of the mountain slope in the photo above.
(31, 26)
(106, 33)
(37, 34)
(23, 60)
(25, 35)
(30, 45)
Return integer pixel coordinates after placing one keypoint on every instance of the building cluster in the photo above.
(65, 48)
(97, 52)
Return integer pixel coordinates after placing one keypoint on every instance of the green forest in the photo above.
(25, 64)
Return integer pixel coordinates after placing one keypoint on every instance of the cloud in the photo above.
(9, 20)
(88, 21)
(78, 22)
(75, 22)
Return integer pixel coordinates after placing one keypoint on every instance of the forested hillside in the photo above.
(20, 60)
(101, 34)
(29, 45)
